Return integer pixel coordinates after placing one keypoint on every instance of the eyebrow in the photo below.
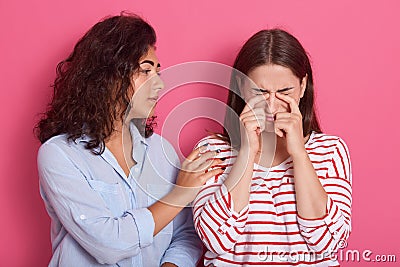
(150, 62)
(268, 91)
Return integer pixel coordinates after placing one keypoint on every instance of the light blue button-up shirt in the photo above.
(99, 216)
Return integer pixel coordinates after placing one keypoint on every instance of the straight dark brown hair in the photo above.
(278, 47)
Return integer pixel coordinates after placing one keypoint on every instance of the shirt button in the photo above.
(82, 217)
(136, 169)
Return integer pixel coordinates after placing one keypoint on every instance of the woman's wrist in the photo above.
(248, 152)
(181, 196)
(300, 155)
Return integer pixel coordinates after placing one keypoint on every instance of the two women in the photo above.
(278, 191)
(285, 196)
(105, 177)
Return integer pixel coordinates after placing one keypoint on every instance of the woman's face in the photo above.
(146, 85)
(270, 79)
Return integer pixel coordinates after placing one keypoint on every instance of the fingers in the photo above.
(281, 127)
(202, 159)
(254, 119)
(254, 124)
(207, 175)
(208, 164)
(256, 111)
(253, 102)
(287, 123)
(256, 114)
(294, 108)
(195, 153)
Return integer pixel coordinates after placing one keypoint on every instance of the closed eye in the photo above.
(259, 91)
(145, 71)
(285, 91)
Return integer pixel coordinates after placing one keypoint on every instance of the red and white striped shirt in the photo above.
(268, 231)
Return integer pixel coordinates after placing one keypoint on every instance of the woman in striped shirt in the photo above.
(284, 198)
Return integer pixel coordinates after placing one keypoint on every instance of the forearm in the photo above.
(239, 179)
(186, 247)
(165, 210)
(311, 197)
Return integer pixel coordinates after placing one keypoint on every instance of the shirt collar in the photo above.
(83, 138)
(139, 145)
(137, 138)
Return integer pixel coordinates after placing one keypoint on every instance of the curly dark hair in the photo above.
(91, 89)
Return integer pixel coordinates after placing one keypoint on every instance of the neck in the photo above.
(272, 150)
(116, 137)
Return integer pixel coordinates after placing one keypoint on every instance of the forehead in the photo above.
(273, 75)
(150, 56)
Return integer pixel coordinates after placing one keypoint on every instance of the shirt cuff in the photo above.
(145, 226)
(235, 219)
(179, 259)
(332, 219)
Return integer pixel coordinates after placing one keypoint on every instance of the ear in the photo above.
(132, 86)
(303, 85)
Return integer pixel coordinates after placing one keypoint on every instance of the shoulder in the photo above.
(325, 143)
(55, 144)
(214, 141)
(59, 150)
(325, 140)
(158, 146)
(156, 141)
(54, 154)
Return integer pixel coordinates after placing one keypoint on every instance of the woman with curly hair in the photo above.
(106, 179)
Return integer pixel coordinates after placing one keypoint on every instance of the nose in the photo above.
(157, 83)
(272, 102)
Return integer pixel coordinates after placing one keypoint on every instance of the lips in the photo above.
(154, 99)
(270, 117)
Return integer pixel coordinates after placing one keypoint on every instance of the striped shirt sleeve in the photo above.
(215, 220)
(330, 233)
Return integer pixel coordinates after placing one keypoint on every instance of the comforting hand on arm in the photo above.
(188, 183)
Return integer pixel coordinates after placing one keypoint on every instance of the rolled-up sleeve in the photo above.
(186, 247)
(85, 215)
(215, 220)
(329, 233)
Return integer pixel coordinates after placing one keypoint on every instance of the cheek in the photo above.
(284, 106)
(246, 95)
(296, 96)
(297, 99)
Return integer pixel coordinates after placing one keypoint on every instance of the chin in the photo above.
(151, 113)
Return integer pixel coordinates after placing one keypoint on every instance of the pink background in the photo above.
(355, 51)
